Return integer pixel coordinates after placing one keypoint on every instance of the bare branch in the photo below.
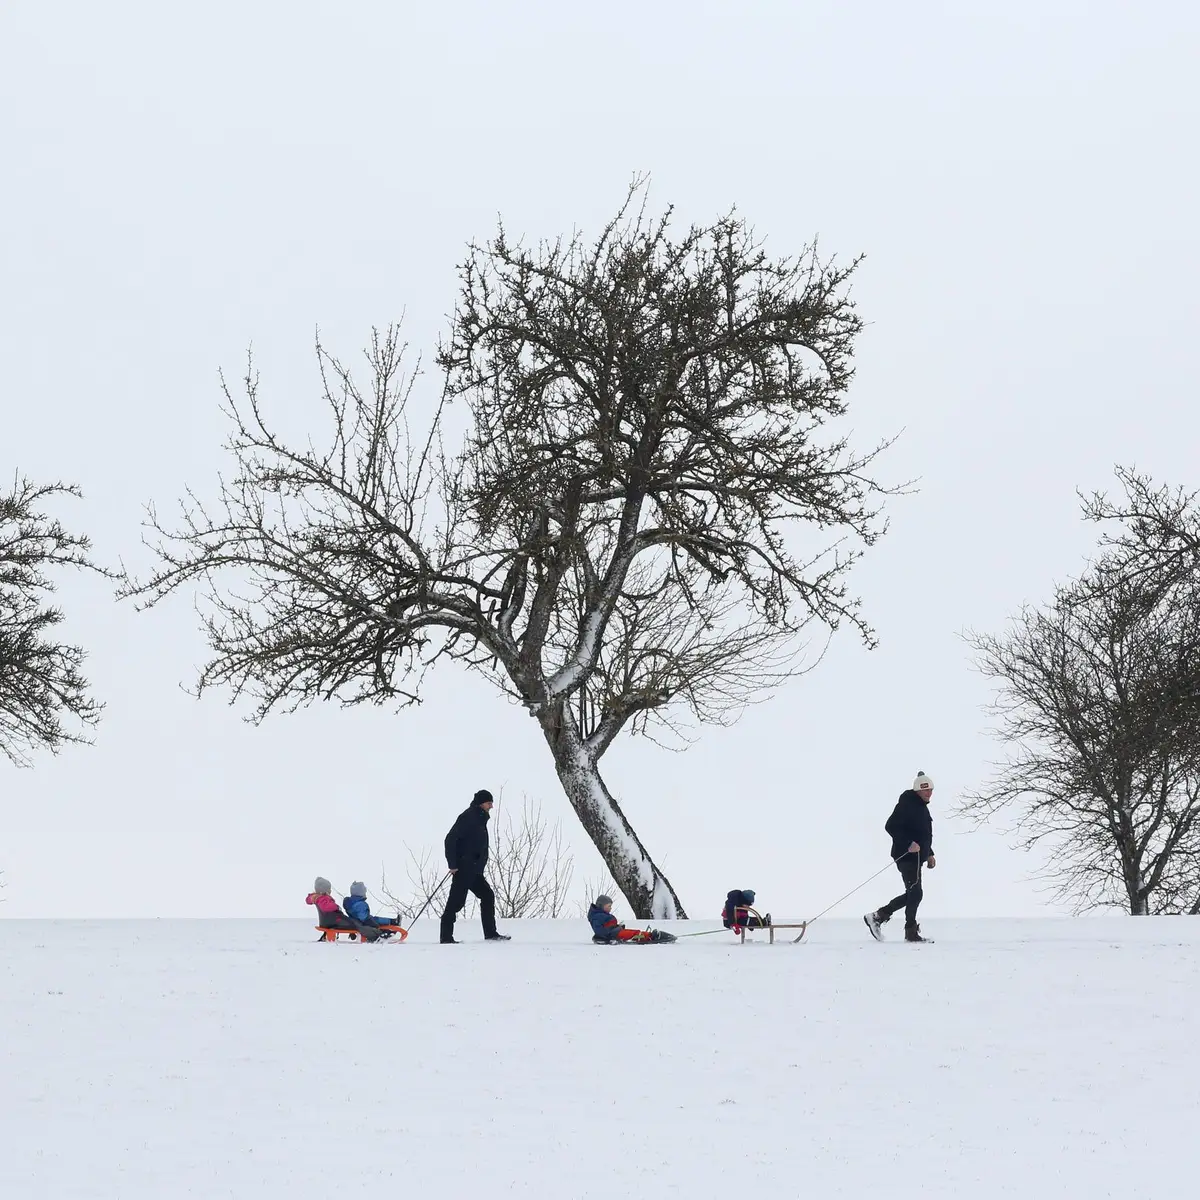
(530, 866)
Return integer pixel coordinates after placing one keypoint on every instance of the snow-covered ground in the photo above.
(159, 1059)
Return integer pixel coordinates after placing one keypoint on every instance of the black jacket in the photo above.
(467, 842)
(910, 822)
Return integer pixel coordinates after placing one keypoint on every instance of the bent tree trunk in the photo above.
(643, 885)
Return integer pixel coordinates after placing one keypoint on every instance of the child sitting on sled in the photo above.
(359, 911)
(329, 916)
(608, 931)
(738, 913)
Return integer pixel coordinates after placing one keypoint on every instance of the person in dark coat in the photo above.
(736, 913)
(466, 857)
(911, 829)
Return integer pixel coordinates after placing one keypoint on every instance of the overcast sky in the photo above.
(180, 181)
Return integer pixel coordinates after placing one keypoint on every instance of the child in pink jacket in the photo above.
(330, 916)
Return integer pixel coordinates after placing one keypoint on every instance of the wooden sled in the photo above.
(769, 930)
(331, 935)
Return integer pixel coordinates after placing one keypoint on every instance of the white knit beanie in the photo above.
(922, 780)
(321, 886)
(358, 889)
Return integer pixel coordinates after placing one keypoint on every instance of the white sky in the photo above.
(177, 182)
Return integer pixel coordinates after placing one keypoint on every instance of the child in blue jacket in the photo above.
(359, 911)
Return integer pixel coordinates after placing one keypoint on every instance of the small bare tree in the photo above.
(530, 867)
(44, 698)
(593, 886)
(424, 878)
(1099, 702)
(645, 510)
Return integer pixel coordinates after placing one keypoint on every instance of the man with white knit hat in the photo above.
(911, 828)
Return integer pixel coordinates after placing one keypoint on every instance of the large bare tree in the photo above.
(622, 512)
(44, 698)
(1099, 708)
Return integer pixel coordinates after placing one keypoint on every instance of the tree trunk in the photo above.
(1139, 901)
(643, 885)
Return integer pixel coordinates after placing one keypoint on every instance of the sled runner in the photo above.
(769, 929)
(331, 935)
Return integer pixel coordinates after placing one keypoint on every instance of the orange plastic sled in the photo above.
(399, 934)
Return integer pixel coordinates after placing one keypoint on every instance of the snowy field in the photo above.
(156, 1059)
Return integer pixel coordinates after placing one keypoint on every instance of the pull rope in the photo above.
(851, 892)
(430, 900)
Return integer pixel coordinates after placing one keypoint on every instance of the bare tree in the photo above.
(1099, 702)
(425, 875)
(44, 698)
(530, 867)
(644, 511)
(593, 886)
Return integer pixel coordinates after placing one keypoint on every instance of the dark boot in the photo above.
(497, 937)
(447, 935)
(912, 933)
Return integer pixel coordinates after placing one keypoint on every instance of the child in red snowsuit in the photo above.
(607, 930)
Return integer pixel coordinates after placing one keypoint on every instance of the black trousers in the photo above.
(460, 884)
(910, 871)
